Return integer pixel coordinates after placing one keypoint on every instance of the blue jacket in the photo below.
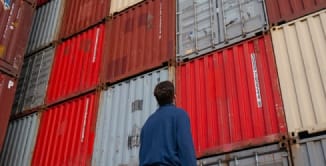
(166, 138)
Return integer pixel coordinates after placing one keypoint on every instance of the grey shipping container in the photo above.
(20, 140)
(33, 82)
(123, 110)
(310, 152)
(207, 25)
(271, 155)
(46, 24)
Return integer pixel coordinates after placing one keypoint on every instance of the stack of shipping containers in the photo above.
(251, 75)
(16, 17)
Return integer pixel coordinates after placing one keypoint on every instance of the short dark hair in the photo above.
(164, 92)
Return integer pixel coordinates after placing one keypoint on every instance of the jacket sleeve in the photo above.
(184, 141)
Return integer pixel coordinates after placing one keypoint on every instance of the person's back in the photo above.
(166, 137)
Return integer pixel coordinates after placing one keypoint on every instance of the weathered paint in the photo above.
(81, 14)
(147, 31)
(15, 25)
(207, 25)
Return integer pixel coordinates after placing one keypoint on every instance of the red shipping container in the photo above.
(280, 11)
(139, 39)
(76, 66)
(232, 97)
(41, 2)
(81, 14)
(66, 133)
(15, 25)
(7, 94)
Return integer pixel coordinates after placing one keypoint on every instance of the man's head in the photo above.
(164, 93)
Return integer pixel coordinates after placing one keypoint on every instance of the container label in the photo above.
(10, 84)
(85, 120)
(256, 79)
(134, 138)
(6, 4)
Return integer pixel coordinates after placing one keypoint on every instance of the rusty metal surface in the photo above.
(7, 94)
(81, 14)
(15, 25)
(139, 39)
(280, 11)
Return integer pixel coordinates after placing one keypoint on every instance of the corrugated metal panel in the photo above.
(270, 155)
(81, 14)
(232, 97)
(85, 53)
(33, 81)
(124, 109)
(118, 5)
(20, 140)
(66, 133)
(15, 25)
(300, 56)
(41, 2)
(45, 29)
(310, 152)
(280, 11)
(7, 92)
(206, 25)
(148, 31)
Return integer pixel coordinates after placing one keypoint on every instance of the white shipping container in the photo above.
(310, 152)
(20, 141)
(123, 110)
(300, 50)
(46, 24)
(119, 5)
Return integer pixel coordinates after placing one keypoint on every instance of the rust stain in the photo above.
(2, 50)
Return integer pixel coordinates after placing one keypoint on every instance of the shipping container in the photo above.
(16, 17)
(81, 14)
(7, 93)
(66, 133)
(20, 140)
(118, 5)
(282, 11)
(139, 39)
(271, 155)
(206, 25)
(310, 152)
(232, 97)
(300, 51)
(45, 29)
(76, 66)
(123, 110)
(33, 81)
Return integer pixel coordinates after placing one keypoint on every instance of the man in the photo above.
(166, 137)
